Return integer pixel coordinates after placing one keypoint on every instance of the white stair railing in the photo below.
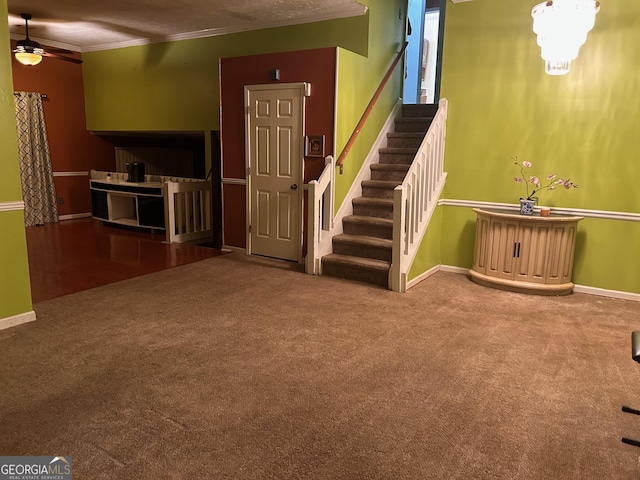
(415, 200)
(320, 203)
(187, 207)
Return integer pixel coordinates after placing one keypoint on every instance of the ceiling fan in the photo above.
(29, 52)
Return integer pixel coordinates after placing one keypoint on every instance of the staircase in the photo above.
(363, 251)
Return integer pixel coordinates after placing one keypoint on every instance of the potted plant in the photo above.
(552, 181)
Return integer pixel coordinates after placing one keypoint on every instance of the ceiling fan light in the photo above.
(30, 59)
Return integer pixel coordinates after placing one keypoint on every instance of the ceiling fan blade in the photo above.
(61, 57)
(59, 50)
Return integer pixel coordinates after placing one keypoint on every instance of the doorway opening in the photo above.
(423, 57)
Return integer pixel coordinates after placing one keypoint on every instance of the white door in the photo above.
(274, 149)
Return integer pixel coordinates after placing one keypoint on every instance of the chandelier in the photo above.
(562, 27)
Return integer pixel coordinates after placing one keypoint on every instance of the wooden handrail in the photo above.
(367, 112)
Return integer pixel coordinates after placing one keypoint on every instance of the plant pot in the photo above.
(526, 206)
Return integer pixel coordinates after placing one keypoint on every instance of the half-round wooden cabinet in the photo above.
(529, 254)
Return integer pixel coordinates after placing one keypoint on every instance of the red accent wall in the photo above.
(317, 67)
(72, 147)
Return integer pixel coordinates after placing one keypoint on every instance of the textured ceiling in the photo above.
(88, 25)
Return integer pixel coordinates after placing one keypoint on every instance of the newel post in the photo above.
(396, 283)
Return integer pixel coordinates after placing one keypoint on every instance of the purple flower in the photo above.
(551, 180)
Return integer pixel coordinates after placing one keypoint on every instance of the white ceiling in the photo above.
(89, 25)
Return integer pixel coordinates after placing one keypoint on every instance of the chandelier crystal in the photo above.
(562, 27)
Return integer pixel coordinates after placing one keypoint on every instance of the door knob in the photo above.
(294, 187)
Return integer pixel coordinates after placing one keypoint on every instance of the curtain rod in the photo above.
(42, 95)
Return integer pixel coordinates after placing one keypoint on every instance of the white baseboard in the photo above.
(602, 292)
(74, 216)
(423, 276)
(452, 269)
(17, 320)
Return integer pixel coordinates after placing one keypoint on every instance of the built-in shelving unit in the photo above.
(127, 203)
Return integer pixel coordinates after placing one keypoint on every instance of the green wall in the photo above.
(174, 86)
(582, 125)
(430, 251)
(15, 292)
(358, 79)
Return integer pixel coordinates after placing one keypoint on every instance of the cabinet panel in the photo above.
(481, 245)
(502, 248)
(531, 264)
(561, 254)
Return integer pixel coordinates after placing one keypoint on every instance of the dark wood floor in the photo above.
(76, 255)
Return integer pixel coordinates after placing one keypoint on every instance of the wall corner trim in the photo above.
(16, 320)
(11, 206)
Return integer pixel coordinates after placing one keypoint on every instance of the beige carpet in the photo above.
(240, 368)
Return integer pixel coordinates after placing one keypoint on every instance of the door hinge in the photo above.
(249, 228)
(248, 111)
(248, 171)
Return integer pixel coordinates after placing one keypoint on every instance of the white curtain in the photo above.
(38, 190)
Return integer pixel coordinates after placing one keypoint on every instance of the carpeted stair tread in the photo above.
(395, 167)
(377, 221)
(382, 202)
(425, 119)
(399, 150)
(349, 260)
(405, 135)
(368, 226)
(381, 183)
(363, 240)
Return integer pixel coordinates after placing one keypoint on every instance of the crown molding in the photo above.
(354, 11)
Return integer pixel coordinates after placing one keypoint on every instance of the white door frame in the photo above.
(304, 88)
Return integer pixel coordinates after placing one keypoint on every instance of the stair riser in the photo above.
(362, 251)
(396, 158)
(360, 274)
(419, 110)
(421, 127)
(374, 211)
(395, 142)
(377, 192)
(397, 176)
(368, 230)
